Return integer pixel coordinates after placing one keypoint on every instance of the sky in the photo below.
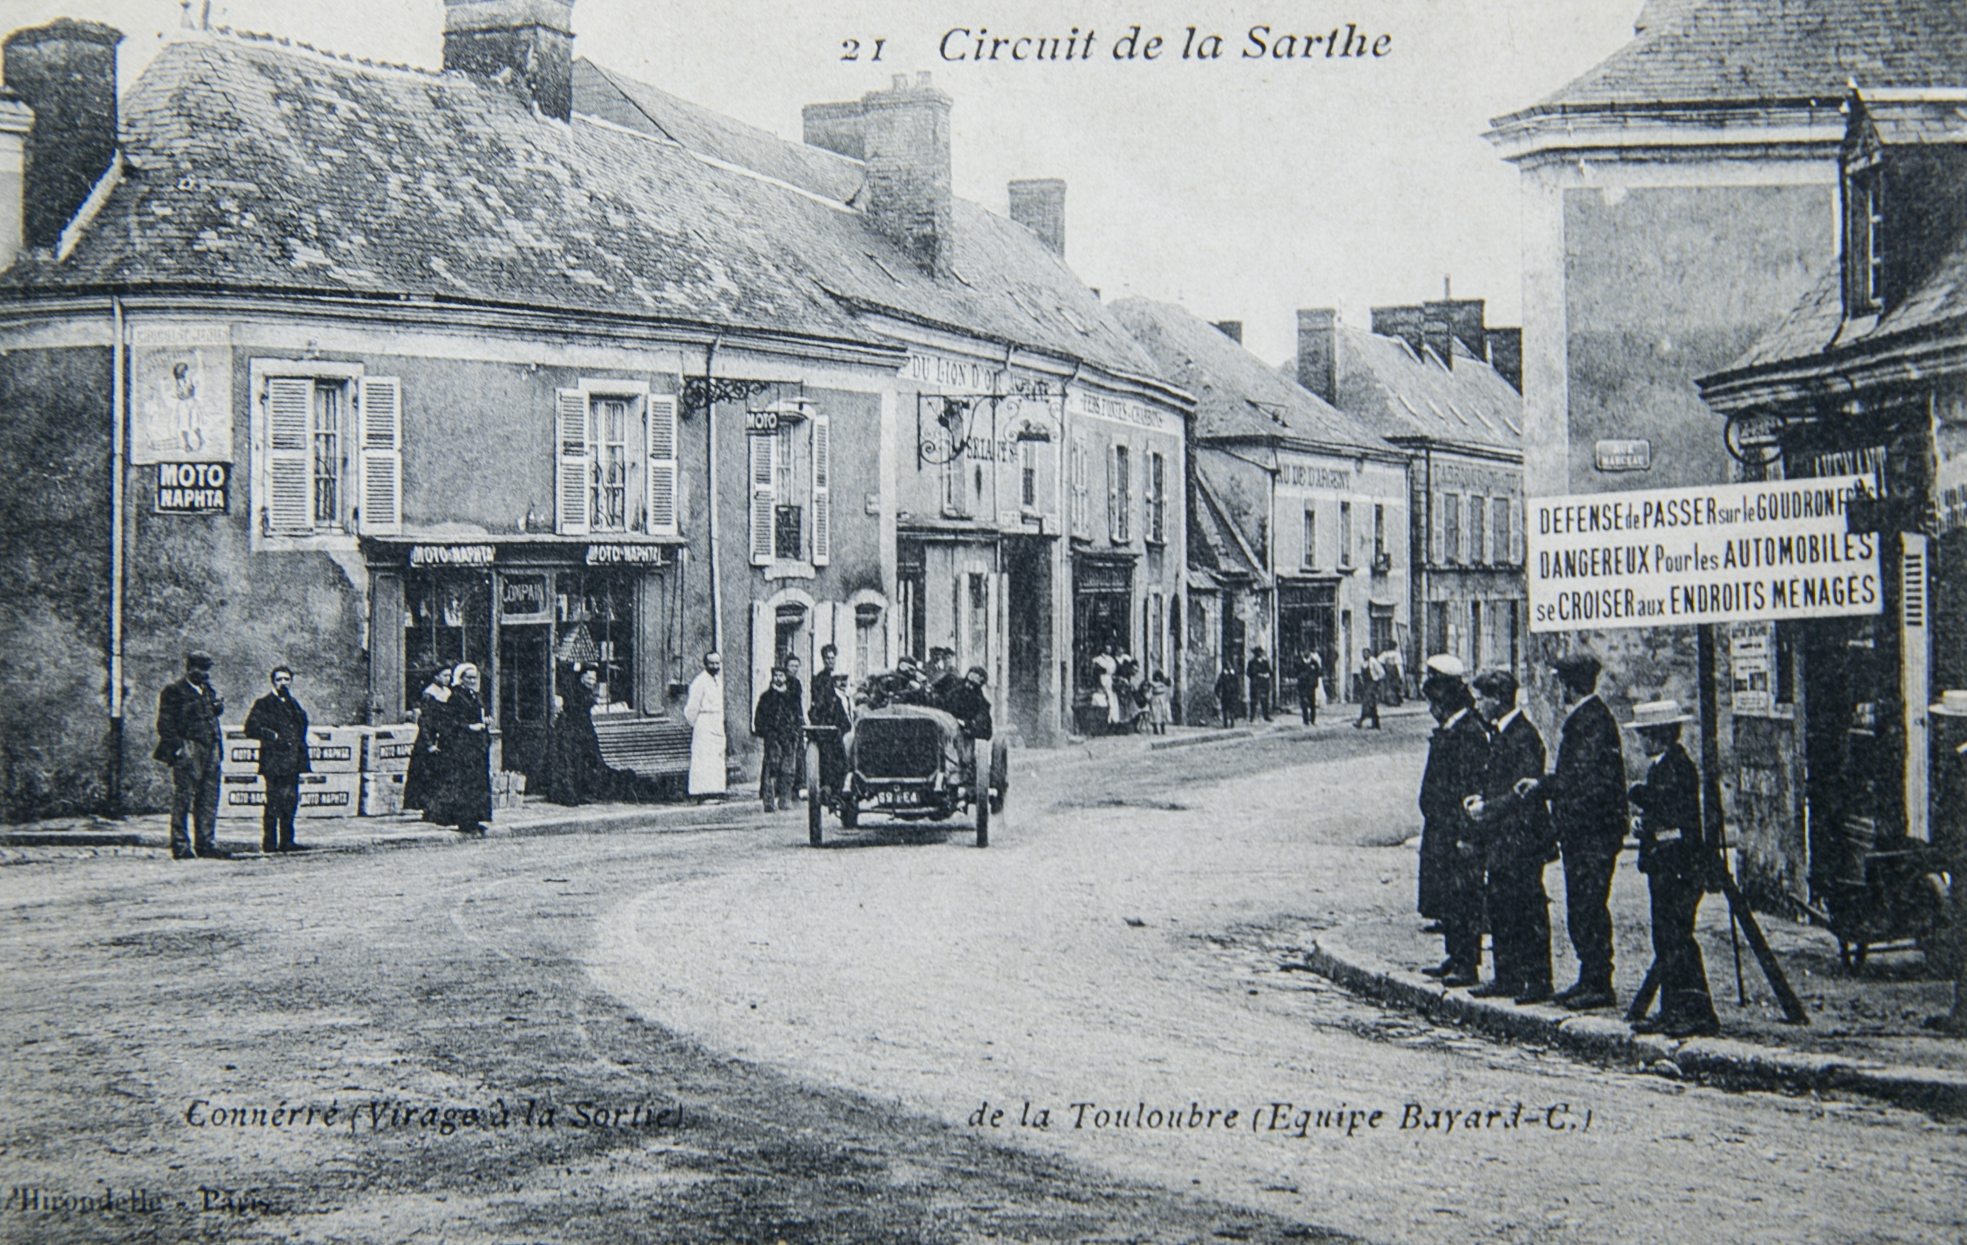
(1243, 187)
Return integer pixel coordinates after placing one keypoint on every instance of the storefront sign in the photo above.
(1305, 475)
(1119, 410)
(761, 421)
(452, 555)
(624, 555)
(522, 598)
(1623, 455)
(180, 393)
(1720, 553)
(953, 373)
(194, 488)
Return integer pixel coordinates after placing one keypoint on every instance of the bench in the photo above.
(652, 747)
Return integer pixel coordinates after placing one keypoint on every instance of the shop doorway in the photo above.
(525, 684)
(1030, 639)
(1306, 623)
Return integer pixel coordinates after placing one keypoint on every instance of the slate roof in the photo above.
(1385, 386)
(258, 165)
(1215, 547)
(1764, 50)
(1238, 396)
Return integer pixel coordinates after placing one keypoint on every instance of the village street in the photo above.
(741, 1038)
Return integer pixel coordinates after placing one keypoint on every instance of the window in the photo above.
(1500, 532)
(1866, 254)
(780, 528)
(331, 459)
(608, 468)
(1028, 475)
(1451, 527)
(1157, 645)
(1345, 533)
(1379, 625)
(1119, 494)
(1311, 537)
(616, 460)
(1379, 532)
(1478, 547)
(594, 617)
(1157, 499)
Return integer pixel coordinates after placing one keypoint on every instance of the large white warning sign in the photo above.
(1720, 553)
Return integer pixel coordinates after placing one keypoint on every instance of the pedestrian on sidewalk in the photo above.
(1586, 792)
(829, 707)
(1311, 674)
(776, 721)
(576, 770)
(1371, 672)
(1159, 694)
(1229, 693)
(189, 741)
(420, 780)
(280, 724)
(1451, 860)
(1260, 672)
(704, 711)
(1679, 864)
(1517, 844)
(463, 794)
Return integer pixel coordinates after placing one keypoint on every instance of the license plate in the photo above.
(892, 798)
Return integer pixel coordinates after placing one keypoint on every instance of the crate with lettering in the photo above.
(321, 795)
(330, 750)
(382, 794)
(386, 749)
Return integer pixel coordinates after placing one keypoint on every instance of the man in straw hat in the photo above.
(1678, 864)
(1451, 861)
(1586, 792)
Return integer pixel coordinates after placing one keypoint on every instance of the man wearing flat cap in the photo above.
(1451, 860)
(1586, 793)
(189, 740)
(1516, 846)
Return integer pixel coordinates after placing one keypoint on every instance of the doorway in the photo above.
(525, 696)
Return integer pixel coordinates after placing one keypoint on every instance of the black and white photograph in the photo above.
(874, 623)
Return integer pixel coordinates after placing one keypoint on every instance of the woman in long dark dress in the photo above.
(464, 791)
(577, 772)
(420, 783)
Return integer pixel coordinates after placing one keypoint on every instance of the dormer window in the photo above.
(1865, 256)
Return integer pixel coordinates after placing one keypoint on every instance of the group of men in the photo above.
(1493, 818)
(191, 741)
(1379, 674)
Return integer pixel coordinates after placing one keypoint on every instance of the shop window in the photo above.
(447, 620)
(594, 616)
(332, 457)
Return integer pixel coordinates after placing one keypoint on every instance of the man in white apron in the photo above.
(704, 711)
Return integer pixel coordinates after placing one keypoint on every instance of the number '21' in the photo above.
(851, 49)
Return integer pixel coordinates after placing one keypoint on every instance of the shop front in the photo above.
(532, 614)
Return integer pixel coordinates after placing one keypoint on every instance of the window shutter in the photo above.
(663, 519)
(574, 463)
(1112, 493)
(822, 490)
(1515, 531)
(289, 461)
(381, 422)
(764, 495)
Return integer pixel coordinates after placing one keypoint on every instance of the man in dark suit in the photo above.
(1586, 792)
(280, 724)
(1260, 674)
(188, 740)
(1451, 862)
(776, 720)
(1517, 845)
(828, 707)
(1311, 672)
(1678, 864)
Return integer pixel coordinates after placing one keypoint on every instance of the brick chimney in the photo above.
(525, 45)
(1318, 351)
(836, 127)
(1232, 329)
(66, 73)
(1039, 205)
(16, 123)
(1464, 318)
(1506, 355)
(1402, 322)
(905, 145)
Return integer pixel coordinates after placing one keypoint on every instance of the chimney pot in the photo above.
(65, 72)
(1038, 204)
(1318, 352)
(525, 45)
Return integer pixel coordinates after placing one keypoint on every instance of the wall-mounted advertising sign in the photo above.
(453, 555)
(1721, 553)
(193, 488)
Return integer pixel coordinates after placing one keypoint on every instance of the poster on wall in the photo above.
(180, 393)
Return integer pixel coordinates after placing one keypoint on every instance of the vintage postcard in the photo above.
(876, 622)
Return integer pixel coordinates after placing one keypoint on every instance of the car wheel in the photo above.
(981, 795)
(813, 803)
(850, 811)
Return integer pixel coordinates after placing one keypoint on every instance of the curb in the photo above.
(1725, 1062)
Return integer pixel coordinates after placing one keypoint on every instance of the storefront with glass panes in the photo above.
(533, 615)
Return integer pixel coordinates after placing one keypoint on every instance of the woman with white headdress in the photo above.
(420, 784)
(463, 796)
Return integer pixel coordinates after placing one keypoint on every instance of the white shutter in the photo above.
(1112, 493)
(822, 490)
(1915, 683)
(662, 466)
(764, 494)
(381, 423)
(574, 463)
(289, 456)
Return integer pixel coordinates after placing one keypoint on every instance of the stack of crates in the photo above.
(508, 789)
(330, 789)
(385, 765)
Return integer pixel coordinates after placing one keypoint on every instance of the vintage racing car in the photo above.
(910, 762)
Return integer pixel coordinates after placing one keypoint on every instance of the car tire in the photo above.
(814, 806)
(981, 794)
(1000, 774)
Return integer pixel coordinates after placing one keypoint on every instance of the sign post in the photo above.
(1724, 553)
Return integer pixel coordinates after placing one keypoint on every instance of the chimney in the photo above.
(836, 127)
(16, 122)
(66, 73)
(1464, 318)
(905, 145)
(1402, 322)
(1439, 340)
(1039, 205)
(1232, 329)
(1318, 351)
(526, 46)
(1506, 355)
